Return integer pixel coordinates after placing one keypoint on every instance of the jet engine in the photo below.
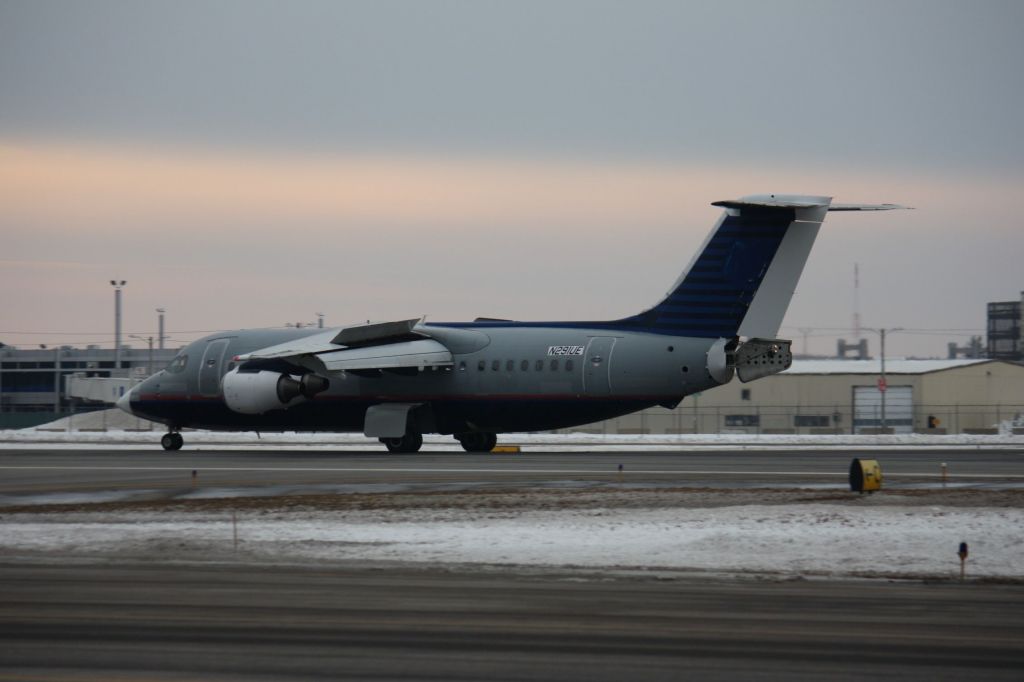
(261, 391)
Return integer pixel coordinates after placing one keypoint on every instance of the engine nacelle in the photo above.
(262, 391)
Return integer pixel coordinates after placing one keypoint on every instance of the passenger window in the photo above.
(482, 365)
(462, 366)
(495, 365)
(568, 365)
(524, 366)
(510, 365)
(554, 365)
(540, 366)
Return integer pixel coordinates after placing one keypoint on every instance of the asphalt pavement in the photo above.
(26, 474)
(116, 622)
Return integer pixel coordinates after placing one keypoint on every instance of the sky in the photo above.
(251, 164)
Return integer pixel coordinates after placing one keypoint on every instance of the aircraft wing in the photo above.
(402, 354)
(379, 346)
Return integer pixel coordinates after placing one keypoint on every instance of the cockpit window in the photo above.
(178, 364)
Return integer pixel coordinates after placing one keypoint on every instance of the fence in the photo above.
(815, 419)
(776, 419)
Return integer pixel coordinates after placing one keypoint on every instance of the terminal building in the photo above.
(33, 383)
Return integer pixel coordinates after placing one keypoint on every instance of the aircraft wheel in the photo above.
(410, 442)
(477, 442)
(172, 441)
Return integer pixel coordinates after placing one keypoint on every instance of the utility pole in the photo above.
(856, 302)
(883, 385)
(56, 380)
(117, 284)
(805, 332)
(149, 340)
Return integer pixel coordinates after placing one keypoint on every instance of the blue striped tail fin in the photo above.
(741, 281)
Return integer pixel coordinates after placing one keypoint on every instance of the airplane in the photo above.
(396, 381)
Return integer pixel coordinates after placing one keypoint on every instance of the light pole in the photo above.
(117, 284)
(149, 340)
(160, 328)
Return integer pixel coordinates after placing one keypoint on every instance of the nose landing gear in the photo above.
(172, 441)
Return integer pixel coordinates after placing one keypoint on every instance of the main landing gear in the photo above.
(472, 441)
(475, 441)
(172, 441)
(410, 442)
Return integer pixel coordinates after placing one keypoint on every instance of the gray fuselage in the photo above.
(502, 378)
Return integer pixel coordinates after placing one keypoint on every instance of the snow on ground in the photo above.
(831, 540)
(528, 441)
(820, 539)
(114, 427)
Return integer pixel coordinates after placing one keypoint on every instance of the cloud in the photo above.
(57, 184)
(231, 239)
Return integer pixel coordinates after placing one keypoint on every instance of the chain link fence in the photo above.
(816, 420)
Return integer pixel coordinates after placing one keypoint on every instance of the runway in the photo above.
(530, 566)
(28, 473)
(117, 622)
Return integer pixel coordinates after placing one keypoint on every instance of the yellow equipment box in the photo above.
(865, 476)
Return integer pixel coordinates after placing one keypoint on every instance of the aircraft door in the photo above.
(597, 366)
(209, 370)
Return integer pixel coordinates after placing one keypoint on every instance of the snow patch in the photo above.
(812, 539)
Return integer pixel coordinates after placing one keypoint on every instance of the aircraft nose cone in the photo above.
(124, 402)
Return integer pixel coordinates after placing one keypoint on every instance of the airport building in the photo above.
(33, 383)
(1005, 329)
(844, 396)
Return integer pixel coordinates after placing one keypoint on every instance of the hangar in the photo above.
(843, 396)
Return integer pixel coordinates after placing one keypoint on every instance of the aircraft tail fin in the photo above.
(741, 281)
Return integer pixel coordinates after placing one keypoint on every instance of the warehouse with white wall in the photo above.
(843, 396)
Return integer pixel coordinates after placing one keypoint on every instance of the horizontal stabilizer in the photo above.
(866, 207)
(772, 202)
(790, 202)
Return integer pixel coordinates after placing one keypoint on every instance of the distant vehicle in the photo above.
(399, 380)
